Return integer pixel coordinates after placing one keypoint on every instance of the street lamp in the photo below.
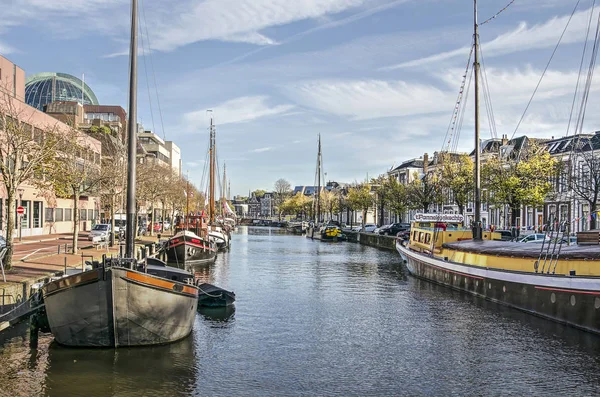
(20, 191)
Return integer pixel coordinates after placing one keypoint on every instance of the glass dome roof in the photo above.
(44, 88)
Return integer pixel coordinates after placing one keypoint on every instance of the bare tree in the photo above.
(76, 172)
(283, 190)
(153, 179)
(25, 151)
(585, 179)
(113, 171)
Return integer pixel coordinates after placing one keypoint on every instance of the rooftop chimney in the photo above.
(425, 163)
(504, 139)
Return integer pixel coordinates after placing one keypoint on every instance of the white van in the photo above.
(120, 222)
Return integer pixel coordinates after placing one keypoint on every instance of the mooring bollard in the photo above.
(34, 331)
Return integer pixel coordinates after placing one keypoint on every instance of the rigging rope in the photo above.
(162, 124)
(545, 69)
(488, 99)
(588, 83)
(496, 14)
(452, 124)
(146, 70)
(462, 115)
(587, 35)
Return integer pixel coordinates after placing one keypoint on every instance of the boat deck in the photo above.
(524, 250)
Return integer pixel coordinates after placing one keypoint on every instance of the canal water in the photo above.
(322, 319)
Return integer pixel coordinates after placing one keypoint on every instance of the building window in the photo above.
(25, 217)
(49, 215)
(83, 215)
(58, 214)
(91, 215)
(37, 214)
(68, 215)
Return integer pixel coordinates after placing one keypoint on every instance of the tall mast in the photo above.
(319, 182)
(212, 173)
(187, 198)
(477, 220)
(224, 190)
(132, 138)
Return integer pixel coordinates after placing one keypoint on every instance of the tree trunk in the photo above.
(364, 219)
(10, 229)
(381, 213)
(593, 214)
(75, 219)
(152, 219)
(461, 210)
(514, 214)
(112, 220)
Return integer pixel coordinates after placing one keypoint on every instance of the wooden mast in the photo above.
(318, 183)
(132, 138)
(212, 173)
(477, 216)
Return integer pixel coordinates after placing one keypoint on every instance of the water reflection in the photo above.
(315, 318)
(149, 371)
(218, 314)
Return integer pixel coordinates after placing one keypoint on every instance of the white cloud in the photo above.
(260, 150)
(237, 110)
(368, 99)
(522, 38)
(250, 38)
(6, 49)
(226, 19)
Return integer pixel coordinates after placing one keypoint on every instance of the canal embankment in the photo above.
(372, 240)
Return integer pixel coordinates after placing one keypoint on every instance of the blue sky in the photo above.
(378, 79)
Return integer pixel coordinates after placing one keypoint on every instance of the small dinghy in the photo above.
(212, 296)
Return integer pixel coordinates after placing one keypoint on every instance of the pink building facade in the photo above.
(44, 212)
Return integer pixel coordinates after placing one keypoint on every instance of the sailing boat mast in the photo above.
(132, 137)
(318, 212)
(212, 173)
(477, 219)
(224, 190)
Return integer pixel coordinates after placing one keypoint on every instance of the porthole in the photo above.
(454, 278)
(597, 303)
(573, 300)
(466, 280)
(553, 298)
(504, 288)
(489, 285)
(477, 283)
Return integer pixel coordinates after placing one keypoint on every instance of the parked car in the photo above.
(377, 229)
(369, 227)
(534, 238)
(562, 240)
(394, 228)
(101, 230)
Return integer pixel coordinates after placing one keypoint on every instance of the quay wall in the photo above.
(372, 239)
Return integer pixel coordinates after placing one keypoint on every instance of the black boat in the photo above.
(212, 296)
(188, 250)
